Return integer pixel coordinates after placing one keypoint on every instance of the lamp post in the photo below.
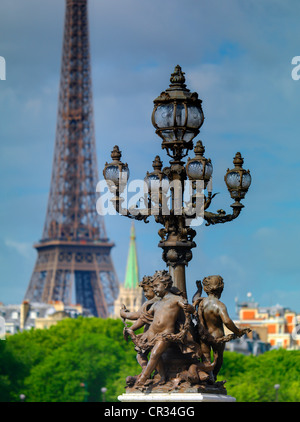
(84, 386)
(103, 391)
(276, 386)
(177, 117)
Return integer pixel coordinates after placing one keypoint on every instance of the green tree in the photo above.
(52, 365)
(12, 373)
(253, 378)
(88, 360)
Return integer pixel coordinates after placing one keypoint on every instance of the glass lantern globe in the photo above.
(157, 179)
(238, 180)
(117, 174)
(199, 168)
(177, 115)
(178, 122)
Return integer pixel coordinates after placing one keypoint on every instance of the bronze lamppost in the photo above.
(177, 117)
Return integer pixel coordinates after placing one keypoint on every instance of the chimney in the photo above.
(25, 306)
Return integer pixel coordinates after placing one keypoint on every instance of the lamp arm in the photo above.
(117, 203)
(208, 199)
(221, 216)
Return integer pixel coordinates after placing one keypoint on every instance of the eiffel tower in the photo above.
(74, 251)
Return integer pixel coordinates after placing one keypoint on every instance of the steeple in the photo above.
(130, 294)
(132, 270)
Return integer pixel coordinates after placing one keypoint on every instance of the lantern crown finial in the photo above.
(116, 153)
(238, 160)
(177, 77)
(157, 164)
(199, 148)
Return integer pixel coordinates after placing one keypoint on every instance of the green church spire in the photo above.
(132, 270)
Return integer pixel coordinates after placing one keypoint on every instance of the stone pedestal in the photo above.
(174, 397)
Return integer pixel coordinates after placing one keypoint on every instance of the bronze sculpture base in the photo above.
(185, 387)
(175, 351)
(178, 377)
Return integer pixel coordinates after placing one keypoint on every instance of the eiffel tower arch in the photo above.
(75, 252)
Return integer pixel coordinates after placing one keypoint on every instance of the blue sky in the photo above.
(236, 55)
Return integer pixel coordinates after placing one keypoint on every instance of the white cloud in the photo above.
(23, 248)
(264, 233)
(33, 106)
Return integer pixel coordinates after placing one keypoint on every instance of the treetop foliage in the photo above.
(73, 360)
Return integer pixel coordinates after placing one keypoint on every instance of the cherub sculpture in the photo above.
(167, 321)
(141, 317)
(213, 315)
(164, 314)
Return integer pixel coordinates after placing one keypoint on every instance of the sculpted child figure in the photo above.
(141, 316)
(146, 285)
(165, 313)
(212, 315)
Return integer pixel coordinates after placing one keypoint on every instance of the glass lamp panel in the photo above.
(195, 117)
(179, 134)
(124, 175)
(165, 184)
(168, 135)
(195, 170)
(246, 180)
(164, 115)
(152, 181)
(112, 173)
(208, 170)
(233, 179)
(180, 115)
(235, 194)
(188, 136)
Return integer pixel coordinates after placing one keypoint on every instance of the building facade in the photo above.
(275, 325)
(37, 315)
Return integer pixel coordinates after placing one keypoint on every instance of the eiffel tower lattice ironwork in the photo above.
(74, 250)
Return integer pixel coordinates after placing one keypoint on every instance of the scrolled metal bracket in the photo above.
(117, 203)
(221, 216)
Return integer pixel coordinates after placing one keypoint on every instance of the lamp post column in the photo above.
(177, 254)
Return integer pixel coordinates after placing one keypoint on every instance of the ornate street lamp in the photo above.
(84, 386)
(177, 117)
(238, 179)
(276, 386)
(116, 175)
